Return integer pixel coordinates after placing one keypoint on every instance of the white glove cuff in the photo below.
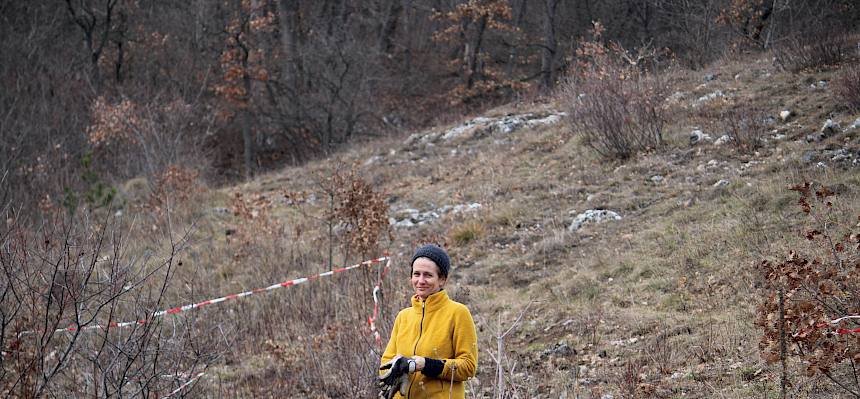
(419, 363)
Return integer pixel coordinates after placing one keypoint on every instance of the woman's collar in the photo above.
(433, 300)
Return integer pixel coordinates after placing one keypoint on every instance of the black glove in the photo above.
(395, 377)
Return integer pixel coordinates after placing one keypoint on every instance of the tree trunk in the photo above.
(473, 50)
(395, 8)
(292, 71)
(550, 46)
(518, 22)
(198, 24)
(756, 22)
(335, 14)
(247, 135)
(89, 20)
(118, 39)
(120, 54)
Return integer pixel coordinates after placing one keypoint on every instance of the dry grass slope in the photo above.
(657, 304)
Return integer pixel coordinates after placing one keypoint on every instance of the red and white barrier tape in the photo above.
(372, 319)
(187, 383)
(214, 301)
(836, 331)
(843, 318)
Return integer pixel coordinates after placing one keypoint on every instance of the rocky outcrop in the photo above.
(484, 126)
(592, 216)
(708, 97)
(698, 137)
(829, 128)
(410, 217)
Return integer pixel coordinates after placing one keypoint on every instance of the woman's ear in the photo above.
(442, 281)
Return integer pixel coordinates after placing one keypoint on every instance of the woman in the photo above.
(433, 347)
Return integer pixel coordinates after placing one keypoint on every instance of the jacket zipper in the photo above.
(415, 348)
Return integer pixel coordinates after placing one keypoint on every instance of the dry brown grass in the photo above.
(847, 86)
(674, 276)
(658, 304)
(467, 232)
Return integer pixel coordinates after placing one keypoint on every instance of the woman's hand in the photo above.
(395, 376)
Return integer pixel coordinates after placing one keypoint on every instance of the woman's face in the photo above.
(425, 278)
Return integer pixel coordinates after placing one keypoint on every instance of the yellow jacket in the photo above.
(440, 329)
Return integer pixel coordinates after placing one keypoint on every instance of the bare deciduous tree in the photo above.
(63, 288)
(550, 46)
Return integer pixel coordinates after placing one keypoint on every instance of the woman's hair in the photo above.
(436, 254)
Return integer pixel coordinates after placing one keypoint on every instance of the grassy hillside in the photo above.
(659, 303)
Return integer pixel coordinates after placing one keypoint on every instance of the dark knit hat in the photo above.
(436, 254)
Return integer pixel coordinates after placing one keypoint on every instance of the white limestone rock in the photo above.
(593, 216)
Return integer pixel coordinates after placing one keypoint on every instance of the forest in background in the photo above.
(97, 93)
(143, 154)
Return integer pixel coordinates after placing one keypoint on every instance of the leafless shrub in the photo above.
(615, 103)
(145, 138)
(811, 51)
(846, 86)
(617, 118)
(696, 36)
(629, 380)
(316, 334)
(662, 354)
(745, 126)
(506, 383)
(63, 285)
